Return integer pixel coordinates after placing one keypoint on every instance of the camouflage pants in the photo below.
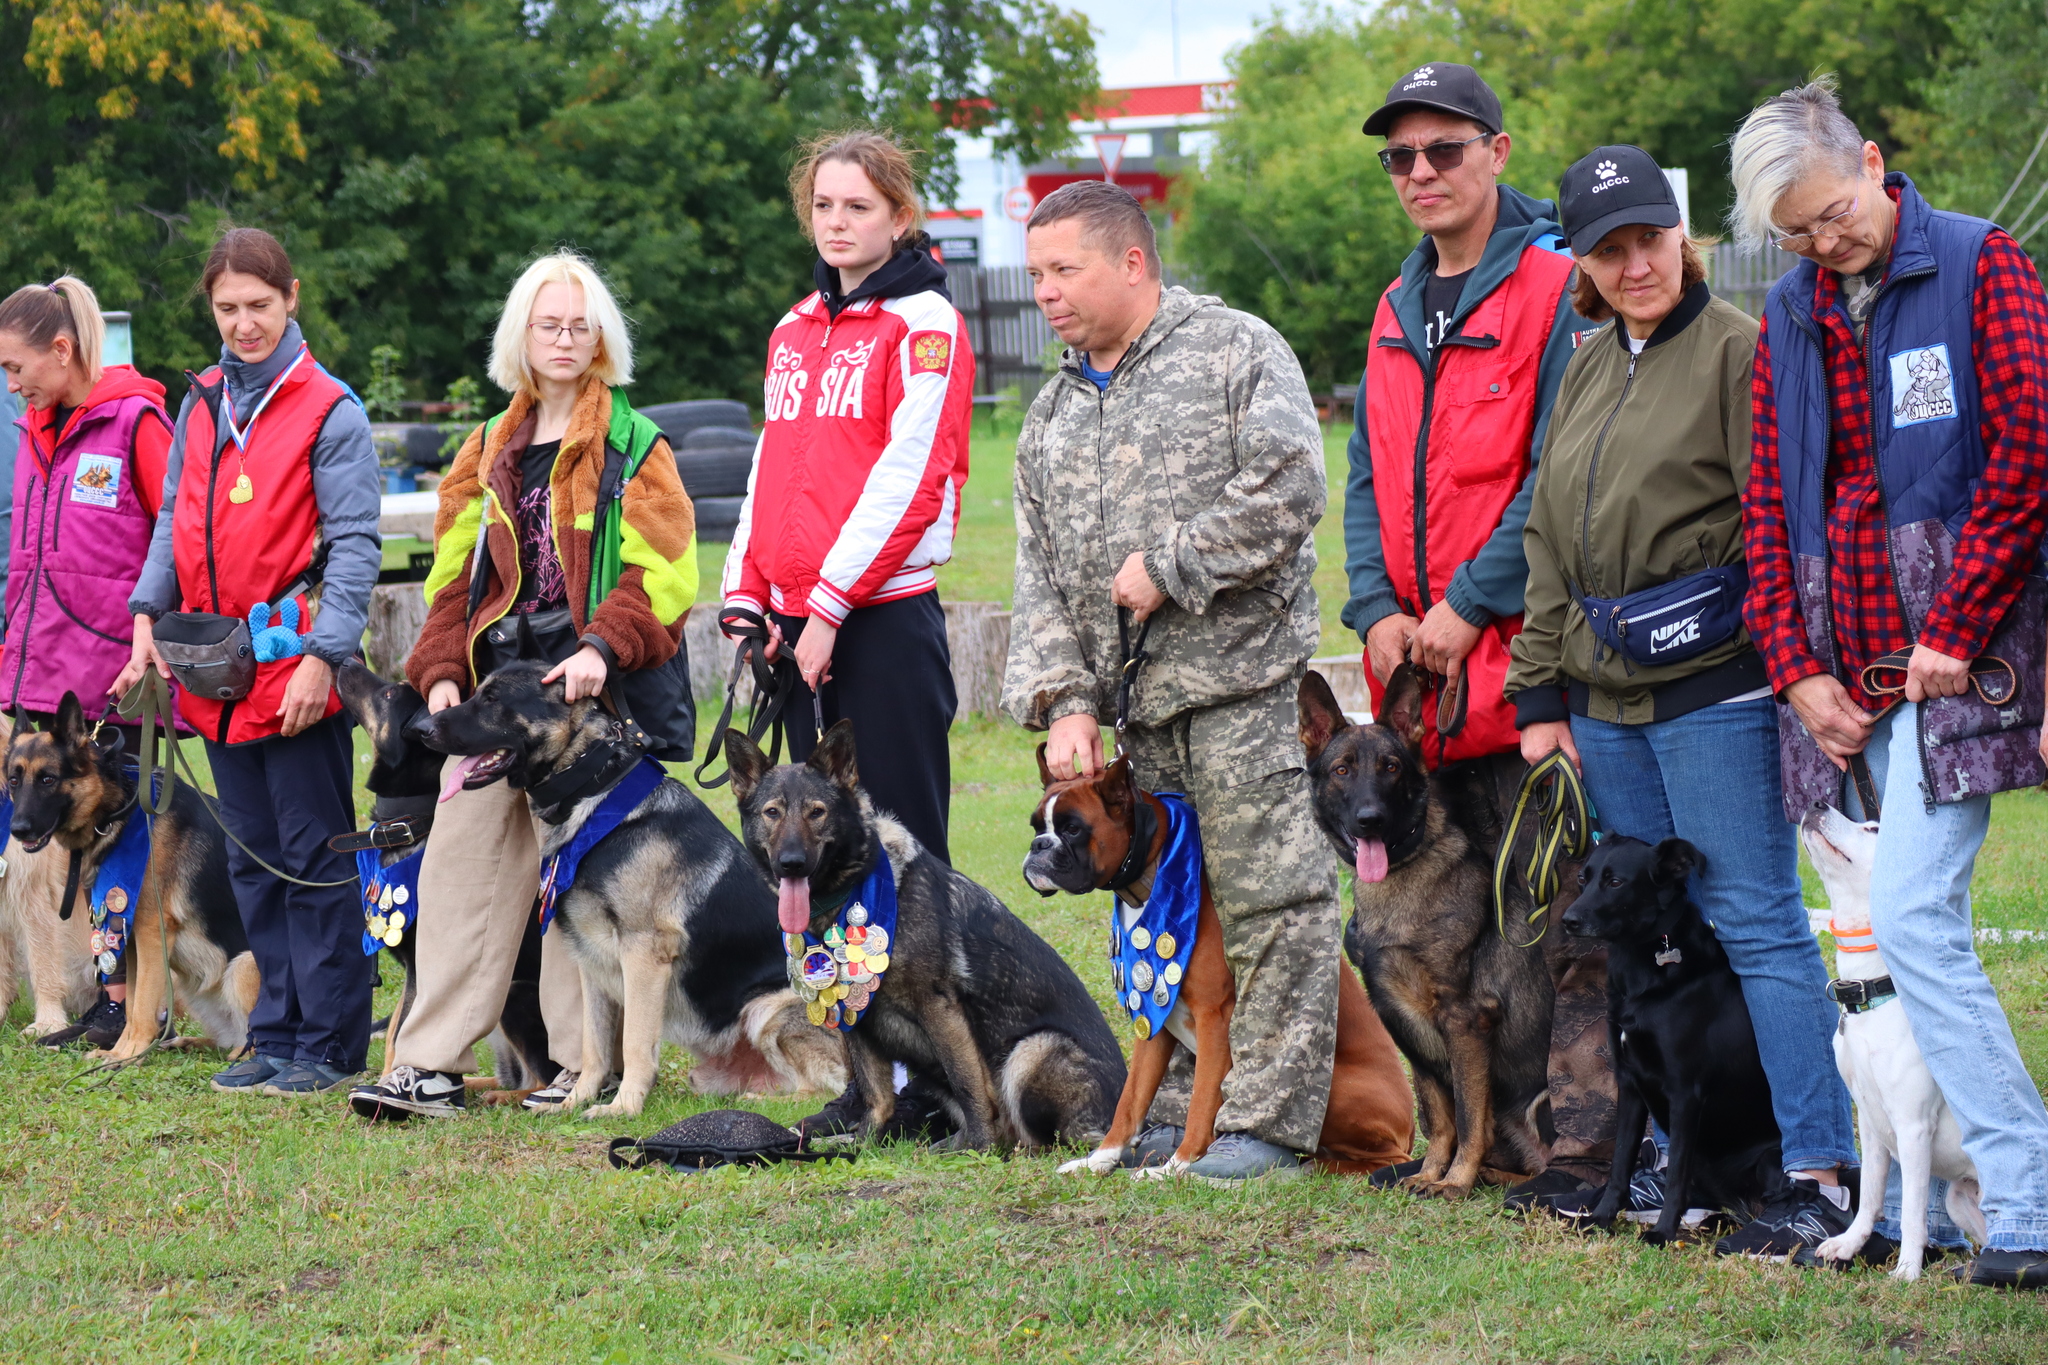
(1275, 885)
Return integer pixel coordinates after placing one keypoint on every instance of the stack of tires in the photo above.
(714, 444)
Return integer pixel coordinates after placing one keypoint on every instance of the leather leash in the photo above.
(1134, 658)
(773, 687)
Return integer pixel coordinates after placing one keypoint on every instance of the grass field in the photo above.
(144, 1218)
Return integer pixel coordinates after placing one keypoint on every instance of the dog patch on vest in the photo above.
(98, 481)
(1923, 386)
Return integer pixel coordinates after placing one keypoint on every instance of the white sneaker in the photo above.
(408, 1091)
(556, 1093)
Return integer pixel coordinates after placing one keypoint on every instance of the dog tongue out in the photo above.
(1371, 864)
(793, 904)
(459, 776)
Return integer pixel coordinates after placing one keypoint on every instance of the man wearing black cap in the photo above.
(1467, 350)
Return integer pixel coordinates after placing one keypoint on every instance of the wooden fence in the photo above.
(1744, 280)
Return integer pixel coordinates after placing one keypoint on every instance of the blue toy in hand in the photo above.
(280, 641)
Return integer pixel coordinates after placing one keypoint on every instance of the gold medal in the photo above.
(393, 936)
(1142, 1027)
(243, 490)
(855, 954)
(396, 917)
(815, 1012)
(878, 963)
(1163, 945)
(793, 944)
(378, 924)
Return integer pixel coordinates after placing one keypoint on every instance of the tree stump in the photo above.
(978, 638)
(398, 612)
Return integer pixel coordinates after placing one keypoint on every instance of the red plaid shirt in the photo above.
(1999, 543)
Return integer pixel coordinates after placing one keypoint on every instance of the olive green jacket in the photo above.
(1640, 483)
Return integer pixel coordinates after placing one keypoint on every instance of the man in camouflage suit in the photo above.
(1174, 468)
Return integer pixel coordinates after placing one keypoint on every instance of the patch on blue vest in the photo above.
(1923, 386)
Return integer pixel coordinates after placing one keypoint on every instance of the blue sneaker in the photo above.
(244, 1076)
(305, 1078)
(1234, 1158)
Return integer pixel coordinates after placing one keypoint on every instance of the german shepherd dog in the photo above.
(1084, 831)
(74, 793)
(1470, 1010)
(52, 955)
(972, 995)
(673, 932)
(1684, 1049)
(405, 779)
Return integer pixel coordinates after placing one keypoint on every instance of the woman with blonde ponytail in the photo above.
(88, 480)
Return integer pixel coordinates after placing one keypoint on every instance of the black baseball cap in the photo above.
(1610, 187)
(1444, 86)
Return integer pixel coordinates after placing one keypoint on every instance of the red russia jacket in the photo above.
(855, 491)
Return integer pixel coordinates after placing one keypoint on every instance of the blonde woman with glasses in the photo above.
(513, 579)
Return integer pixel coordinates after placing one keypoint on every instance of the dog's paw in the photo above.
(620, 1108)
(1172, 1169)
(41, 1029)
(1101, 1161)
(1436, 1189)
(1842, 1248)
(1907, 1269)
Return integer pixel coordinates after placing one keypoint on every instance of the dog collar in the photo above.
(1857, 996)
(1139, 855)
(1853, 941)
(596, 768)
(1409, 844)
(836, 974)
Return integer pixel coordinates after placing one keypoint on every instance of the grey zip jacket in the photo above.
(1204, 454)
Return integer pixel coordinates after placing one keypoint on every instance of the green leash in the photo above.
(1553, 796)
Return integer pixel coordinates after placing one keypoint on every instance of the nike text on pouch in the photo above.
(1671, 636)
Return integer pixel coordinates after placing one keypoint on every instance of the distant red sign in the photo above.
(1149, 186)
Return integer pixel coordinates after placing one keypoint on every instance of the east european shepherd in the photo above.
(405, 780)
(972, 995)
(1470, 1010)
(673, 931)
(75, 794)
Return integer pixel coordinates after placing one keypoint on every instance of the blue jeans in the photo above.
(1920, 908)
(1711, 778)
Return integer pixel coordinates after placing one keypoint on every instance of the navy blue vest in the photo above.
(1922, 372)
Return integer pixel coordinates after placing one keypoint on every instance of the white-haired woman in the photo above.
(564, 536)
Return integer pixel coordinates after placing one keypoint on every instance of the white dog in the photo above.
(1899, 1108)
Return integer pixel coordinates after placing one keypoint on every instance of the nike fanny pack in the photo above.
(1674, 621)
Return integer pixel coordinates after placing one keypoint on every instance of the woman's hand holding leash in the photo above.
(814, 651)
(305, 696)
(1545, 737)
(1837, 724)
(583, 674)
(1932, 673)
(141, 661)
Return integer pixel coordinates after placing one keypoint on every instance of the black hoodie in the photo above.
(910, 271)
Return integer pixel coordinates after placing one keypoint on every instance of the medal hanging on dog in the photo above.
(390, 898)
(558, 870)
(117, 891)
(837, 974)
(244, 490)
(1149, 951)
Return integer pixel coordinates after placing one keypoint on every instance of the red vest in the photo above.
(1480, 411)
(232, 555)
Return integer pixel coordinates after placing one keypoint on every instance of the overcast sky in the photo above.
(1134, 38)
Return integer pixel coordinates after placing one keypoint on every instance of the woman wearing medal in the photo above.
(271, 459)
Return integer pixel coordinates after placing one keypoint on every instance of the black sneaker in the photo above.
(244, 1076)
(1645, 1202)
(408, 1091)
(2008, 1269)
(1797, 1215)
(94, 1026)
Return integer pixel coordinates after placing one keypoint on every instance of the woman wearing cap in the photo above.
(88, 479)
(1637, 518)
(272, 496)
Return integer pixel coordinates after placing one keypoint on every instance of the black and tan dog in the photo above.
(972, 995)
(76, 794)
(1469, 1010)
(1684, 1049)
(405, 780)
(1086, 828)
(672, 930)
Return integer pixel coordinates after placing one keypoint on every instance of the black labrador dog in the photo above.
(1684, 1049)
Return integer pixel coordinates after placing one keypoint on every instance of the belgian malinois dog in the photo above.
(673, 931)
(75, 793)
(1470, 1010)
(1084, 831)
(972, 996)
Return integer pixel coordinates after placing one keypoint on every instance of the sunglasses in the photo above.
(1993, 678)
(1445, 156)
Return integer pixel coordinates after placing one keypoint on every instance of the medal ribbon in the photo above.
(240, 435)
(558, 873)
(1148, 958)
(391, 897)
(837, 974)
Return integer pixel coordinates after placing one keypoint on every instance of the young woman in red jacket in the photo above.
(856, 485)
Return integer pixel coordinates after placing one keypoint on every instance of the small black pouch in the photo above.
(1674, 621)
(720, 1137)
(542, 636)
(209, 654)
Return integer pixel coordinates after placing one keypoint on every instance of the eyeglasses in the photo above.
(1992, 676)
(578, 333)
(1798, 242)
(1445, 156)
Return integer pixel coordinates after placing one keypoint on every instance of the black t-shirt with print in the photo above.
(542, 586)
(1440, 304)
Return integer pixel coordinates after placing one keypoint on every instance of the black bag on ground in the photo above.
(721, 1137)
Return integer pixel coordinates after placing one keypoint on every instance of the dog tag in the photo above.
(400, 895)
(856, 913)
(1141, 976)
(1171, 976)
(1669, 956)
(1164, 945)
(1141, 938)
(243, 490)
(1161, 994)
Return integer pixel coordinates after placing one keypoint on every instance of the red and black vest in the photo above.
(232, 555)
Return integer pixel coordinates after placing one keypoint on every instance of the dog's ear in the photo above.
(1401, 707)
(70, 725)
(834, 755)
(1321, 716)
(1118, 786)
(1045, 777)
(1676, 861)
(747, 764)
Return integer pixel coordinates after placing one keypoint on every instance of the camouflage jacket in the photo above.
(1204, 453)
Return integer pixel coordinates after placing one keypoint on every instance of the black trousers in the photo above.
(892, 676)
(285, 798)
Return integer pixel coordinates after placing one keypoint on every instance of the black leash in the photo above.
(774, 683)
(1134, 659)
(1552, 792)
